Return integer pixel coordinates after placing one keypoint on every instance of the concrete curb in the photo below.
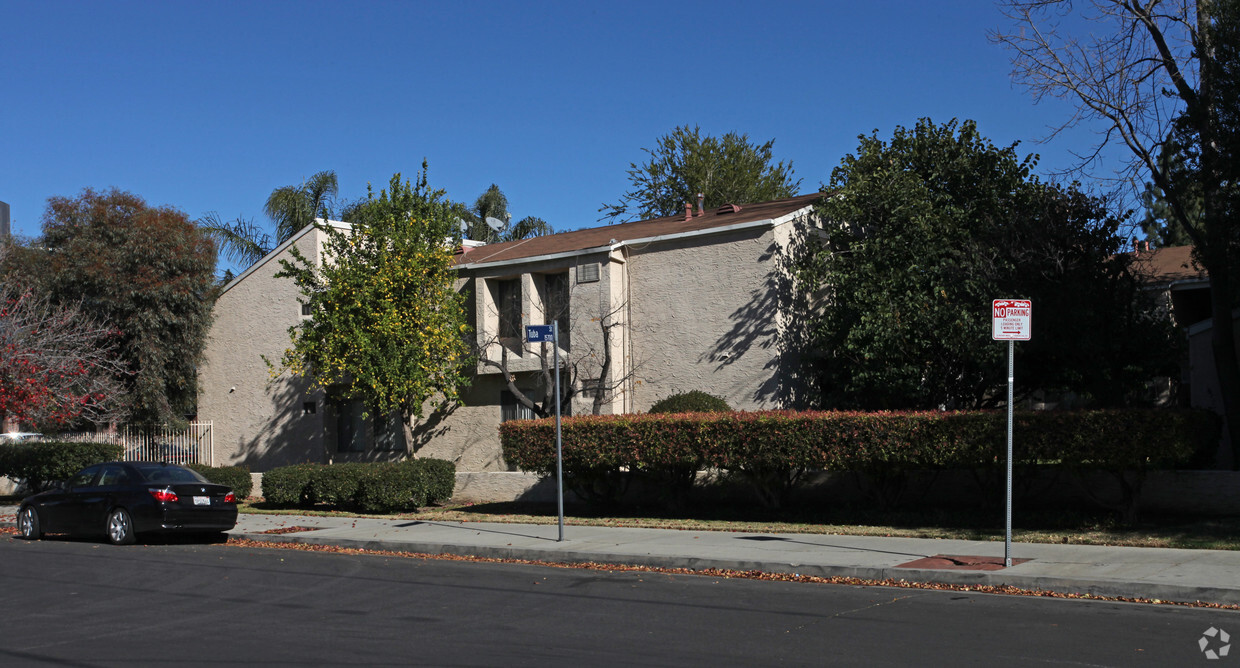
(1060, 585)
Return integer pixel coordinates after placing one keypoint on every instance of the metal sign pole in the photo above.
(559, 450)
(1011, 321)
(1007, 540)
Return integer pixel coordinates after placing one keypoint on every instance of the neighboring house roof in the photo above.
(608, 237)
(1167, 266)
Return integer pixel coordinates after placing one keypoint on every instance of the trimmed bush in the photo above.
(373, 487)
(236, 477)
(388, 488)
(691, 402)
(336, 484)
(40, 464)
(771, 449)
(289, 485)
(674, 481)
(440, 475)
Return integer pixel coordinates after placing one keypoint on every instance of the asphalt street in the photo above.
(84, 603)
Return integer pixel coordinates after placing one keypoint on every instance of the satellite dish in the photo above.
(464, 226)
(495, 223)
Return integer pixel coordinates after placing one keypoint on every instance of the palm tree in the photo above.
(527, 227)
(241, 242)
(294, 207)
(290, 207)
(494, 204)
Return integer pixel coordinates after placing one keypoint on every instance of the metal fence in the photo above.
(193, 445)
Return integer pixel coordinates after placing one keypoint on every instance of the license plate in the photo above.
(202, 500)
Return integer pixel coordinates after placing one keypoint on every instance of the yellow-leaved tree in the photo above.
(387, 326)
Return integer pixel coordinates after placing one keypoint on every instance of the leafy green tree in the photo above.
(388, 325)
(727, 169)
(291, 208)
(148, 272)
(922, 232)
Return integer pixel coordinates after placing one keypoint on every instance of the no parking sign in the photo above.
(1011, 319)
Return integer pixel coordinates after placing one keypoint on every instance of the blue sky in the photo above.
(209, 106)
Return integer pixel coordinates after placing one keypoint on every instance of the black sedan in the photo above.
(124, 499)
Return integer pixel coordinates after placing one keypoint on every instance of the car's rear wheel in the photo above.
(120, 527)
(28, 524)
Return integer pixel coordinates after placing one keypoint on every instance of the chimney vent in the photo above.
(701, 204)
(688, 212)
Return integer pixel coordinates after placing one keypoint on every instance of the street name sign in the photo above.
(1011, 319)
(539, 334)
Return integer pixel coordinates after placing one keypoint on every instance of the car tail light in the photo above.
(230, 498)
(165, 495)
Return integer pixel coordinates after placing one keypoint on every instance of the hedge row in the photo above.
(771, 449)
(236, 477)
(44, 462)
(369, 487)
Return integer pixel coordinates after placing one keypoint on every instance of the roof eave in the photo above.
(768, 222)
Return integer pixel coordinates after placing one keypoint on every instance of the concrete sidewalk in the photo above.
(1135, 572)
(1211, 576)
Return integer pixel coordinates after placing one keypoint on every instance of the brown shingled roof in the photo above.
(1167, 265)
(594, 237)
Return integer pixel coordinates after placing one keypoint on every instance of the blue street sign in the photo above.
(539, 333)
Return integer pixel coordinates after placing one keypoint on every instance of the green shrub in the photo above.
(691, 402)
(405, 486)
(289, 485)
(40, 464)
(772, 449)
(236, 477)
(387, 488)
(373, 487)
(440, 476)
(336, 484)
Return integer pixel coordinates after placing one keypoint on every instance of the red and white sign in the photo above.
(1011, 319)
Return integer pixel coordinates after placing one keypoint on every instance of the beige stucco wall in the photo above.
(469, 435)
(705, 318)
(699, 313)
(257, 422)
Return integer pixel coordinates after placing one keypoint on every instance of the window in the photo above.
(510, 309)
(389, 432)
(511, 409)
(305, 310)
(308, 408)
(590, 388)
(85, 478)
(557, 289)
(359, 430)
(350, 427)
(587, 273)
(113, 475)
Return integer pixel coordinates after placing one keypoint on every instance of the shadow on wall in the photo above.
(757, 325)
(291, 435)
